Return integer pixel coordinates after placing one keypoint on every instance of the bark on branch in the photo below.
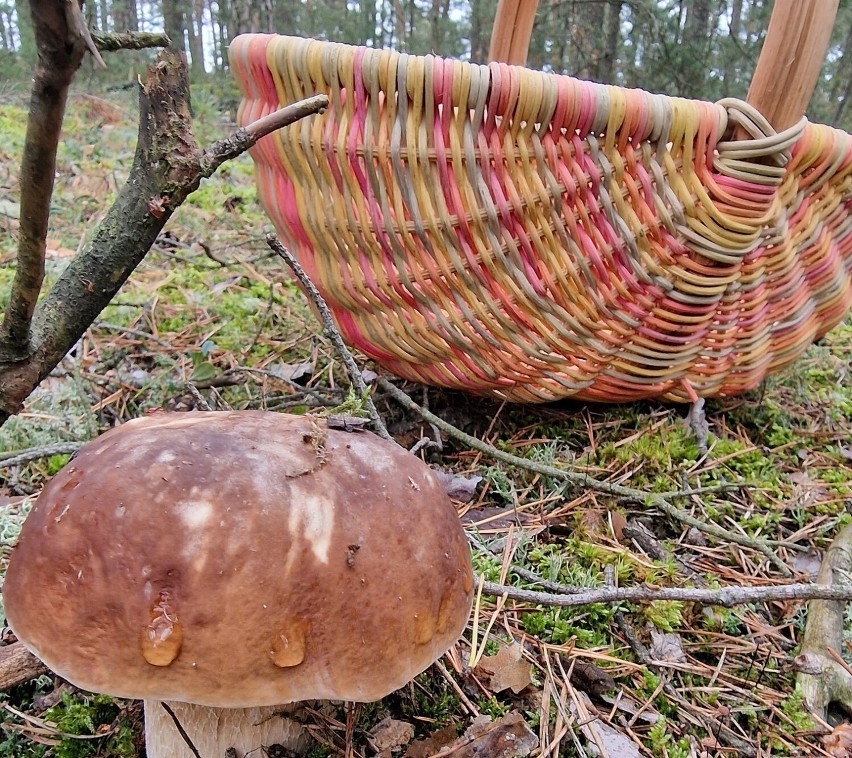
(723, 596)
(61, 47)
(823, 677)
(18, 665)
(168, 166)
(109, 43)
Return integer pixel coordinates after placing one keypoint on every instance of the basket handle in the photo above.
(787, 70)
(510, 38)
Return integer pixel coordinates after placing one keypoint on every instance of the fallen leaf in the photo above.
(807, 563)
(601, 738)
(667, 647)
(458, 487)
(432, 744)
(617, 521)
(838, 744)
(289, 372)
(590, 678)
(506, 670)
(225, 284)
(628, 706)
(508, 737)
(389, 734)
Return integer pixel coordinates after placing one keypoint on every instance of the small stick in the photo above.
(168, 709)
(332, 332)
(246, 136)
(584, 480)
(723, 596)
(109, 43)
(18, 665)
(35, 453)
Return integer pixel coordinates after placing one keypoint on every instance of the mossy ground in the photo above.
(210, 305)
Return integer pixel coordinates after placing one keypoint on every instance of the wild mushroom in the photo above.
(235, 562)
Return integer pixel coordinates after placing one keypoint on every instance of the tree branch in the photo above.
(723, 596)
(333, 333)
(61, 48)
(167, 167)
(109, 43)
(652, 499)
(18, 665)
(244, 138)
(822, 679)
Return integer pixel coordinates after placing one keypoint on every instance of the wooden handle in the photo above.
(513, 24)
(791, 58)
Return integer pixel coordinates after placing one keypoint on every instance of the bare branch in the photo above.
(723, 596)
(822, 679)
(17, 457)
(167, 168)
(333, 334)
(61, 48)
(130, 41)
(18, 665)
(653, 499)
(245, 137)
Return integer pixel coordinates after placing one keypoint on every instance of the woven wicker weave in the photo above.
(532, 236)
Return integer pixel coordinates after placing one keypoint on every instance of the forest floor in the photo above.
(212, 307)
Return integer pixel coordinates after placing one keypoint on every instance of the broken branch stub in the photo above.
(167, 167)
(822, 679)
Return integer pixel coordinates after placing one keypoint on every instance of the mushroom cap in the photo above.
(240, 558)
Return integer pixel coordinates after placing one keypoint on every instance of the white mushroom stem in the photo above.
(214, 730)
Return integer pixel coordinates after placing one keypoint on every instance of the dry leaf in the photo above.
(508, 737)
(667, 647)
(506, 670)
(838, 744)
(291, 371)
(433, 744)
(628, 706)
(389, 734)
(590, 678)
(808, 563)
(617, 521)
(457, 487)
(598, 733)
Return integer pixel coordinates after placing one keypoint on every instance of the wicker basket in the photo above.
(532, 236)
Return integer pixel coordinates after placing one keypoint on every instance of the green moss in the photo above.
(795, 709)
(664, 614)
(92, 715)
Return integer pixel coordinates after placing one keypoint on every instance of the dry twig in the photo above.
(723, 596)
(333, 333)
(653, 499)
(822, 679)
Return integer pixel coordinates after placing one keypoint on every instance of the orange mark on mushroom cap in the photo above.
(163, 637)
(288, 646)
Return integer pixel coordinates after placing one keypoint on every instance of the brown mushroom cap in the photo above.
(240, 558)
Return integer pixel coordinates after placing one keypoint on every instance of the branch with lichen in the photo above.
(582, 480)
(824, 677)
(168, 166)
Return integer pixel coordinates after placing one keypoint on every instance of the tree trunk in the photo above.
(729, 75)
(612, 36)
(586, 33)
(696, 49)
(125, 17)
(174, 24)
(26, 39)
(193, 11)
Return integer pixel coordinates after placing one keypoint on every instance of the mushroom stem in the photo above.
(213, 731)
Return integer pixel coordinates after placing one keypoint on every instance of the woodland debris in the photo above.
(18, 665)
(823, 676)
